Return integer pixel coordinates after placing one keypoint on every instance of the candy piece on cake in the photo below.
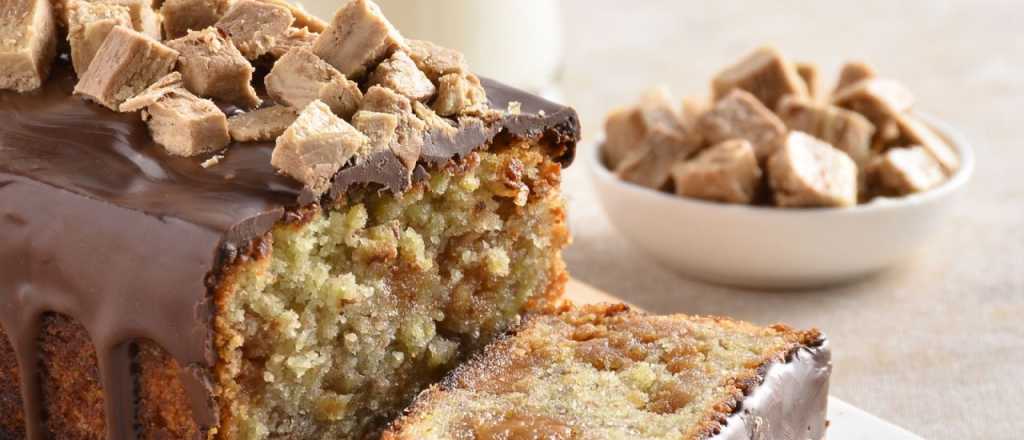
(255, 26)
(263, 125)
(182, 16)
(89, 23)
(125, 64)
(28, 44)
(183, 123)
(213, 67)
(358, 38)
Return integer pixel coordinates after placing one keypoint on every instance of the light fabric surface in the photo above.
(935, 345)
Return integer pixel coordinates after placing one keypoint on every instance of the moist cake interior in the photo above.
(234, 312)
(355, 309)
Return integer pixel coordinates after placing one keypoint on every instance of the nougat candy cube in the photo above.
(458, 94)
(261, 125)
(300, 77)
(255, 26)
(740, 115)
(848, 131)
(144, 19)
(411, 129)
(905, 171)
(627, 128)
(316, 146)
(342, 95)
(765, 73)
(400, 73)
(807, 172)
(303, 19)
(811, 76)
(852, 73)
(381, 128)
(125, 64)
(358, 37)
(727, 173)
(89, 23)
(294, 38)
(183, 123)
(182, 16)
(693, 108)
(213, 67)
(437, 61)
(915, 132)
(880, 100)
(28, 44)
(650, 165)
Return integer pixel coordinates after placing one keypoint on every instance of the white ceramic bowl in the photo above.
(774, 248)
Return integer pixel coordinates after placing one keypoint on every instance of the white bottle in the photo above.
(518, 42)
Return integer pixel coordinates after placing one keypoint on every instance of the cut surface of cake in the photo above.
(606, 372)
(160, 291)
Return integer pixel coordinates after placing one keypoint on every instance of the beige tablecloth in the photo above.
(935, 345)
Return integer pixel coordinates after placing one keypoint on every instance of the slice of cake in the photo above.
(605, 372)
(304, 285)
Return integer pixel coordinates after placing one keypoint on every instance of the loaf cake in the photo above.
(200, 238)
(606, 372)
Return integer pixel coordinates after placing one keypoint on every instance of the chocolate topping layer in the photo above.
(99, 223)
(791, 402)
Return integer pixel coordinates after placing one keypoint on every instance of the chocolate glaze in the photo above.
(99, 223)
(790, 403)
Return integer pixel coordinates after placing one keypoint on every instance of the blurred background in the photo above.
(935, 345)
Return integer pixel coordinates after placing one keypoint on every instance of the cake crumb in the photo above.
(516, 108)
(212, 161)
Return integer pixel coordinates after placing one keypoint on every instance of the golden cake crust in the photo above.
(496, 371)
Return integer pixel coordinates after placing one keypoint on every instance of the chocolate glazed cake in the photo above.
(606, 372)
(109, 241)
(153, 286)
